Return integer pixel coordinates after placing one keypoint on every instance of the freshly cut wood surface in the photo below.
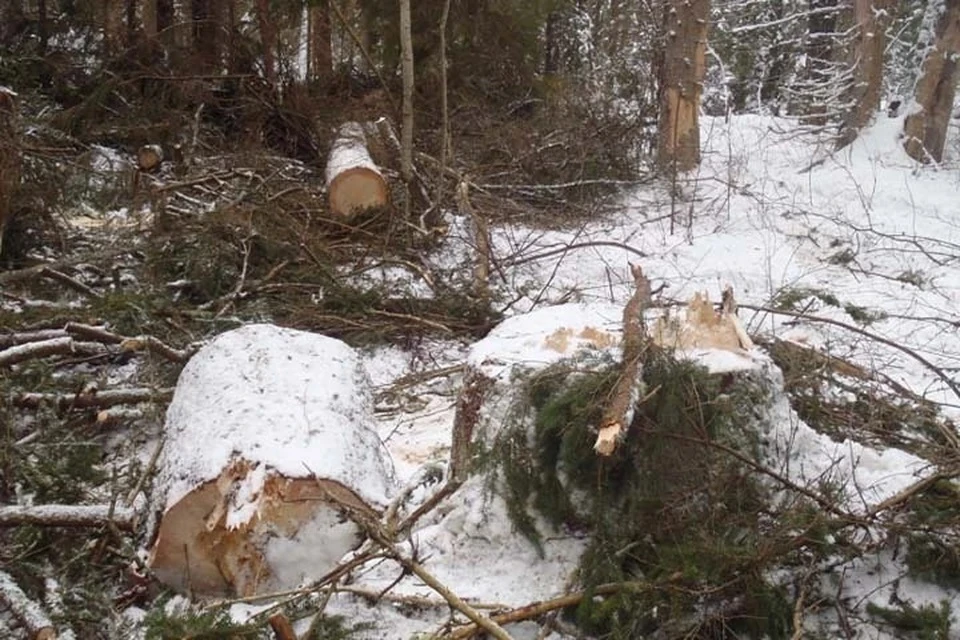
(270, 430)
(354, 182)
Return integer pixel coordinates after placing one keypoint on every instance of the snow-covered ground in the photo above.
(770, 212)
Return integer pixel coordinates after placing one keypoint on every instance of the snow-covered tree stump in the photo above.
(354, 183)
(585, 338)
(268, 431)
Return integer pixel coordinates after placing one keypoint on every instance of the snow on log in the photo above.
(354, 182)
(29, 613)
(268, 429)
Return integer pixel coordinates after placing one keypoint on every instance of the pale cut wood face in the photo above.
(198, 551)
(356, 189)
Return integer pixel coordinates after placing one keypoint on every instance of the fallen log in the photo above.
(64, 515)
(36, 621)
(269, 432)
(354, 183)
(92, 398)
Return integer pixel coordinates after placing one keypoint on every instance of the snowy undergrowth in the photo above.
(863, 237)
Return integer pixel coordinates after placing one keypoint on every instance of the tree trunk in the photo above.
(208, 33)
(148, 19)
(268, 41)
(872, 18)
(10, 157)
(111, 24)
(320, 57)
(925, 129)
(821, 27)
(685, 29)
(11, 19)
(406, 133)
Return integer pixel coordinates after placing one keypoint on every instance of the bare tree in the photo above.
(925, 130)
(406, 133)
(268, 41)
(320, 56)
(9, 156)
(872, 18)
(685, 34)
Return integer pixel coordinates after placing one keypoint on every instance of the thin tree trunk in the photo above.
(406, 133)
(821, 27)
(686, 24)
(872, 18)
(10, 157)
(320, 57)
(925, 129)
(148, 18)
(268, 41)
(111, 24)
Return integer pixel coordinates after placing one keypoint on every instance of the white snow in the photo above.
(349, 151)
(295, 402)
(770, 211)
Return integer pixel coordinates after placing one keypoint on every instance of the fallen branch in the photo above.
(63, 515)
(537, 609)
(97, 399)
(44, 348)
(64, 279)
(23, 337)
(376, 532)
(939, 372)
(282, 629)
(27, 611)
(624, 397)
(149, 344)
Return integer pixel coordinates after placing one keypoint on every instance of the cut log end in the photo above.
(357, 189)
(209, 545)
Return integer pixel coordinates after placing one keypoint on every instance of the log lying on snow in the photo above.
(354, 183)
(266, 426)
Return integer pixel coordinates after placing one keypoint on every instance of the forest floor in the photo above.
(853, 255)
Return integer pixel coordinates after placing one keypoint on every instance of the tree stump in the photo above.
(268, 434)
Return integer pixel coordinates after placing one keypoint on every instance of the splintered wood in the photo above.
(619, 410)
(702, 327)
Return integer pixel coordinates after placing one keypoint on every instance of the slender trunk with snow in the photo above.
(925, 130)
(685, 35)
(406, 132)
(872, 19)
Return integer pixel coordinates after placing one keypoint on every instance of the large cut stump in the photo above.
(268, 429)
(354, 183)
